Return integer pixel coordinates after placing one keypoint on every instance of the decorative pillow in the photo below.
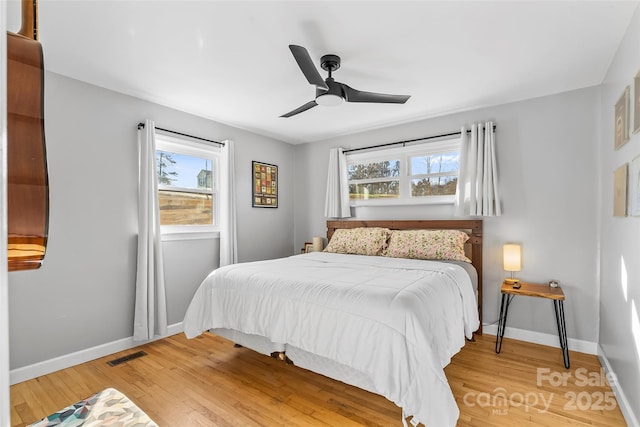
(359, 241)
(428, 244)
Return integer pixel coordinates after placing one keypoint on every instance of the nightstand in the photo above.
(538, 290)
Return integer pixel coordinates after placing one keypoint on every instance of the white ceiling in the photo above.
(229, 60)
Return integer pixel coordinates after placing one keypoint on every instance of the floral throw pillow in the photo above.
(428, 244)
(359, 241)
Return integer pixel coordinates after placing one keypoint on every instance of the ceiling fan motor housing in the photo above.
(334, 89)
(332, 97)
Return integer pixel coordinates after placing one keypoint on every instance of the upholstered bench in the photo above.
(108, 407)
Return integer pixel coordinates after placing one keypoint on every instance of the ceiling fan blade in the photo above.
(353, 95)
(301, 109)
(306, 65)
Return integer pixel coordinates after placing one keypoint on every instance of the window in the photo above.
(187, 184)
(374, 179)
(421, 174)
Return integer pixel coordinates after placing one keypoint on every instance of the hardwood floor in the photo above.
(208, 382)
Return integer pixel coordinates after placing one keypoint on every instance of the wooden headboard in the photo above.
(473, 227)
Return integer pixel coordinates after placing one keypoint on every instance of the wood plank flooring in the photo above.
(208, 382)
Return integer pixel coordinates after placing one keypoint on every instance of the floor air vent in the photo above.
(126, 358)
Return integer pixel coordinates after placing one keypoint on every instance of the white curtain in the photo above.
(228, 226)
(150, 315)
(337, 199)
(477, 192)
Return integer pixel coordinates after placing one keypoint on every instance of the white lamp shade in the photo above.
(512, 257)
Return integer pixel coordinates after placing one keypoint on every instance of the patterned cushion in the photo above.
(108, 407)
(359, 241)
(428, 244)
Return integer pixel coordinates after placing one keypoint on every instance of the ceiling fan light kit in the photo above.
(329, 100)
(330, 92)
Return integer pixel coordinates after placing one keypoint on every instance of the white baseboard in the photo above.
(623, 402)
(543, 339)
(46, 367)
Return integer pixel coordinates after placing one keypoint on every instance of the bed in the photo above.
(386, 324)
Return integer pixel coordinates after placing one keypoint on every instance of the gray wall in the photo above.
(546, 157)
(83, 295)
(620, 237)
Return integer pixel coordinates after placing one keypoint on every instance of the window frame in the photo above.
(190, 147)
(404, 154)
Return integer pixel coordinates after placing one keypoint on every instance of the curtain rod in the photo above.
(407, 141)
(141, 126)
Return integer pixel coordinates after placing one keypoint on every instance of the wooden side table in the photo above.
(534, 290)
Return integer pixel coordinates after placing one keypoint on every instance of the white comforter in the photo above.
(398, 320)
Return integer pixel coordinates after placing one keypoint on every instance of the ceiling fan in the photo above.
(330, 92)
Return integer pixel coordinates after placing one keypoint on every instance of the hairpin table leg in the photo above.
(502, 320)
(558, 307)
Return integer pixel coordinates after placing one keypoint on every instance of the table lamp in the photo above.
(511, 260)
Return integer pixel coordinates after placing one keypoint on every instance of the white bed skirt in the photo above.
(300, 358)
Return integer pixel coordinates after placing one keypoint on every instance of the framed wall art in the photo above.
(636, 103)
(265, 185)
(634, 187)
(620, 191)
(621, 120)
